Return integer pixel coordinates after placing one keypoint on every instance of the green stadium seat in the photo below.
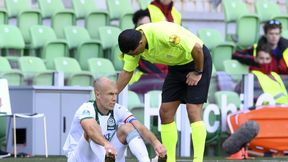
(245, 40)
(35, 70)
(108, 36)
(267, 10)
(44, 38)
(73, 74)
(126, 21)
(232, 97)
(118, 8)
(212, 38)
(94, 17)
(25, 14)
(144, 3)
(135, 106)
(101, 67)
(14, 77)
(82, 47)
(60, 16)
(115, 57)
(11, 42)
(235, 69)
(233, 10)
(3, 17)
(220, 50)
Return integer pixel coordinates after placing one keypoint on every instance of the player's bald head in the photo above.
(103, 83)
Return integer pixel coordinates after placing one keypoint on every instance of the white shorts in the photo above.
(92, 152)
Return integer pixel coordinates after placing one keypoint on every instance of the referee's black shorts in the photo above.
(176, 89)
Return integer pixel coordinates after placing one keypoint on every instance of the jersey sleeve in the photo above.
(123, 114)
(130, 62)
(86, 111)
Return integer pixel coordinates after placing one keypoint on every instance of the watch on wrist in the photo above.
(197, 72)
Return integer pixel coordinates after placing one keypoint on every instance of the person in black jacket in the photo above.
(272, 35)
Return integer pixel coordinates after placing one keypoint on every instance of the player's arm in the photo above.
(93, 130)
(123, 79)
(150, 138)
(198, 58)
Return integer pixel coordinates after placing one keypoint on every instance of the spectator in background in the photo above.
(164, 10)
(272, 36)
(263, 61)
(264, 66)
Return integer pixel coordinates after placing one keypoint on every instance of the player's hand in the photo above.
(193, 78)
(110, 150)
(160, 150)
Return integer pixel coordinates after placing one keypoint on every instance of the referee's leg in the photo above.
(169, 133)
(198, 130)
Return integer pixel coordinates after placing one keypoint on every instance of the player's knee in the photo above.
(123, 131)
(131, 135)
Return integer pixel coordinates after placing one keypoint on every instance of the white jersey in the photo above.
(108, 123)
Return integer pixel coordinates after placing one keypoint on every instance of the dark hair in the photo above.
(139, 15)
(272, 24)
(265, 48)
(129, 40)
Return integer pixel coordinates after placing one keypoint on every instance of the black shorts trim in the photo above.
(176, 89)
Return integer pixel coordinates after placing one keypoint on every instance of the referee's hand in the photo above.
(193, 78)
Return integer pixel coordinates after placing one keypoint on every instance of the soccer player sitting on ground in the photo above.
(189, 72)
(104, 128)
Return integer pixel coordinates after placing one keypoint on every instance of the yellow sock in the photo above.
(199, 138)
(169, 137)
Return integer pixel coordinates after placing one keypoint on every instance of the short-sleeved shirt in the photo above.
(168, 44)
(108, 123)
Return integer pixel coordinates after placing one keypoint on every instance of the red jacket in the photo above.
(246, 57)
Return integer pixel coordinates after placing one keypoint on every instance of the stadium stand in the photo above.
(14, 76)
(116, 57)
(101, 67)
(118, 8)
(267, 10)
(92, 15)
(43, 39)
(108, 36)
(11, 42)
(220, 50)
(81, 46)
(25, 15)
(60, 16)
(235, 69)
(136, 106)
(73, 74)
(35, 71)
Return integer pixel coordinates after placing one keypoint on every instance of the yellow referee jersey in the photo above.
(168, 44)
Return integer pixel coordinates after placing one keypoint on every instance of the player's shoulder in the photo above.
(86, 106)
(118, 107)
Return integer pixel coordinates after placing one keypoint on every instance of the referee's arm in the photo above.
(198, 57)
(123, 79)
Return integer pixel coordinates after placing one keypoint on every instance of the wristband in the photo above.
(198, 72)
